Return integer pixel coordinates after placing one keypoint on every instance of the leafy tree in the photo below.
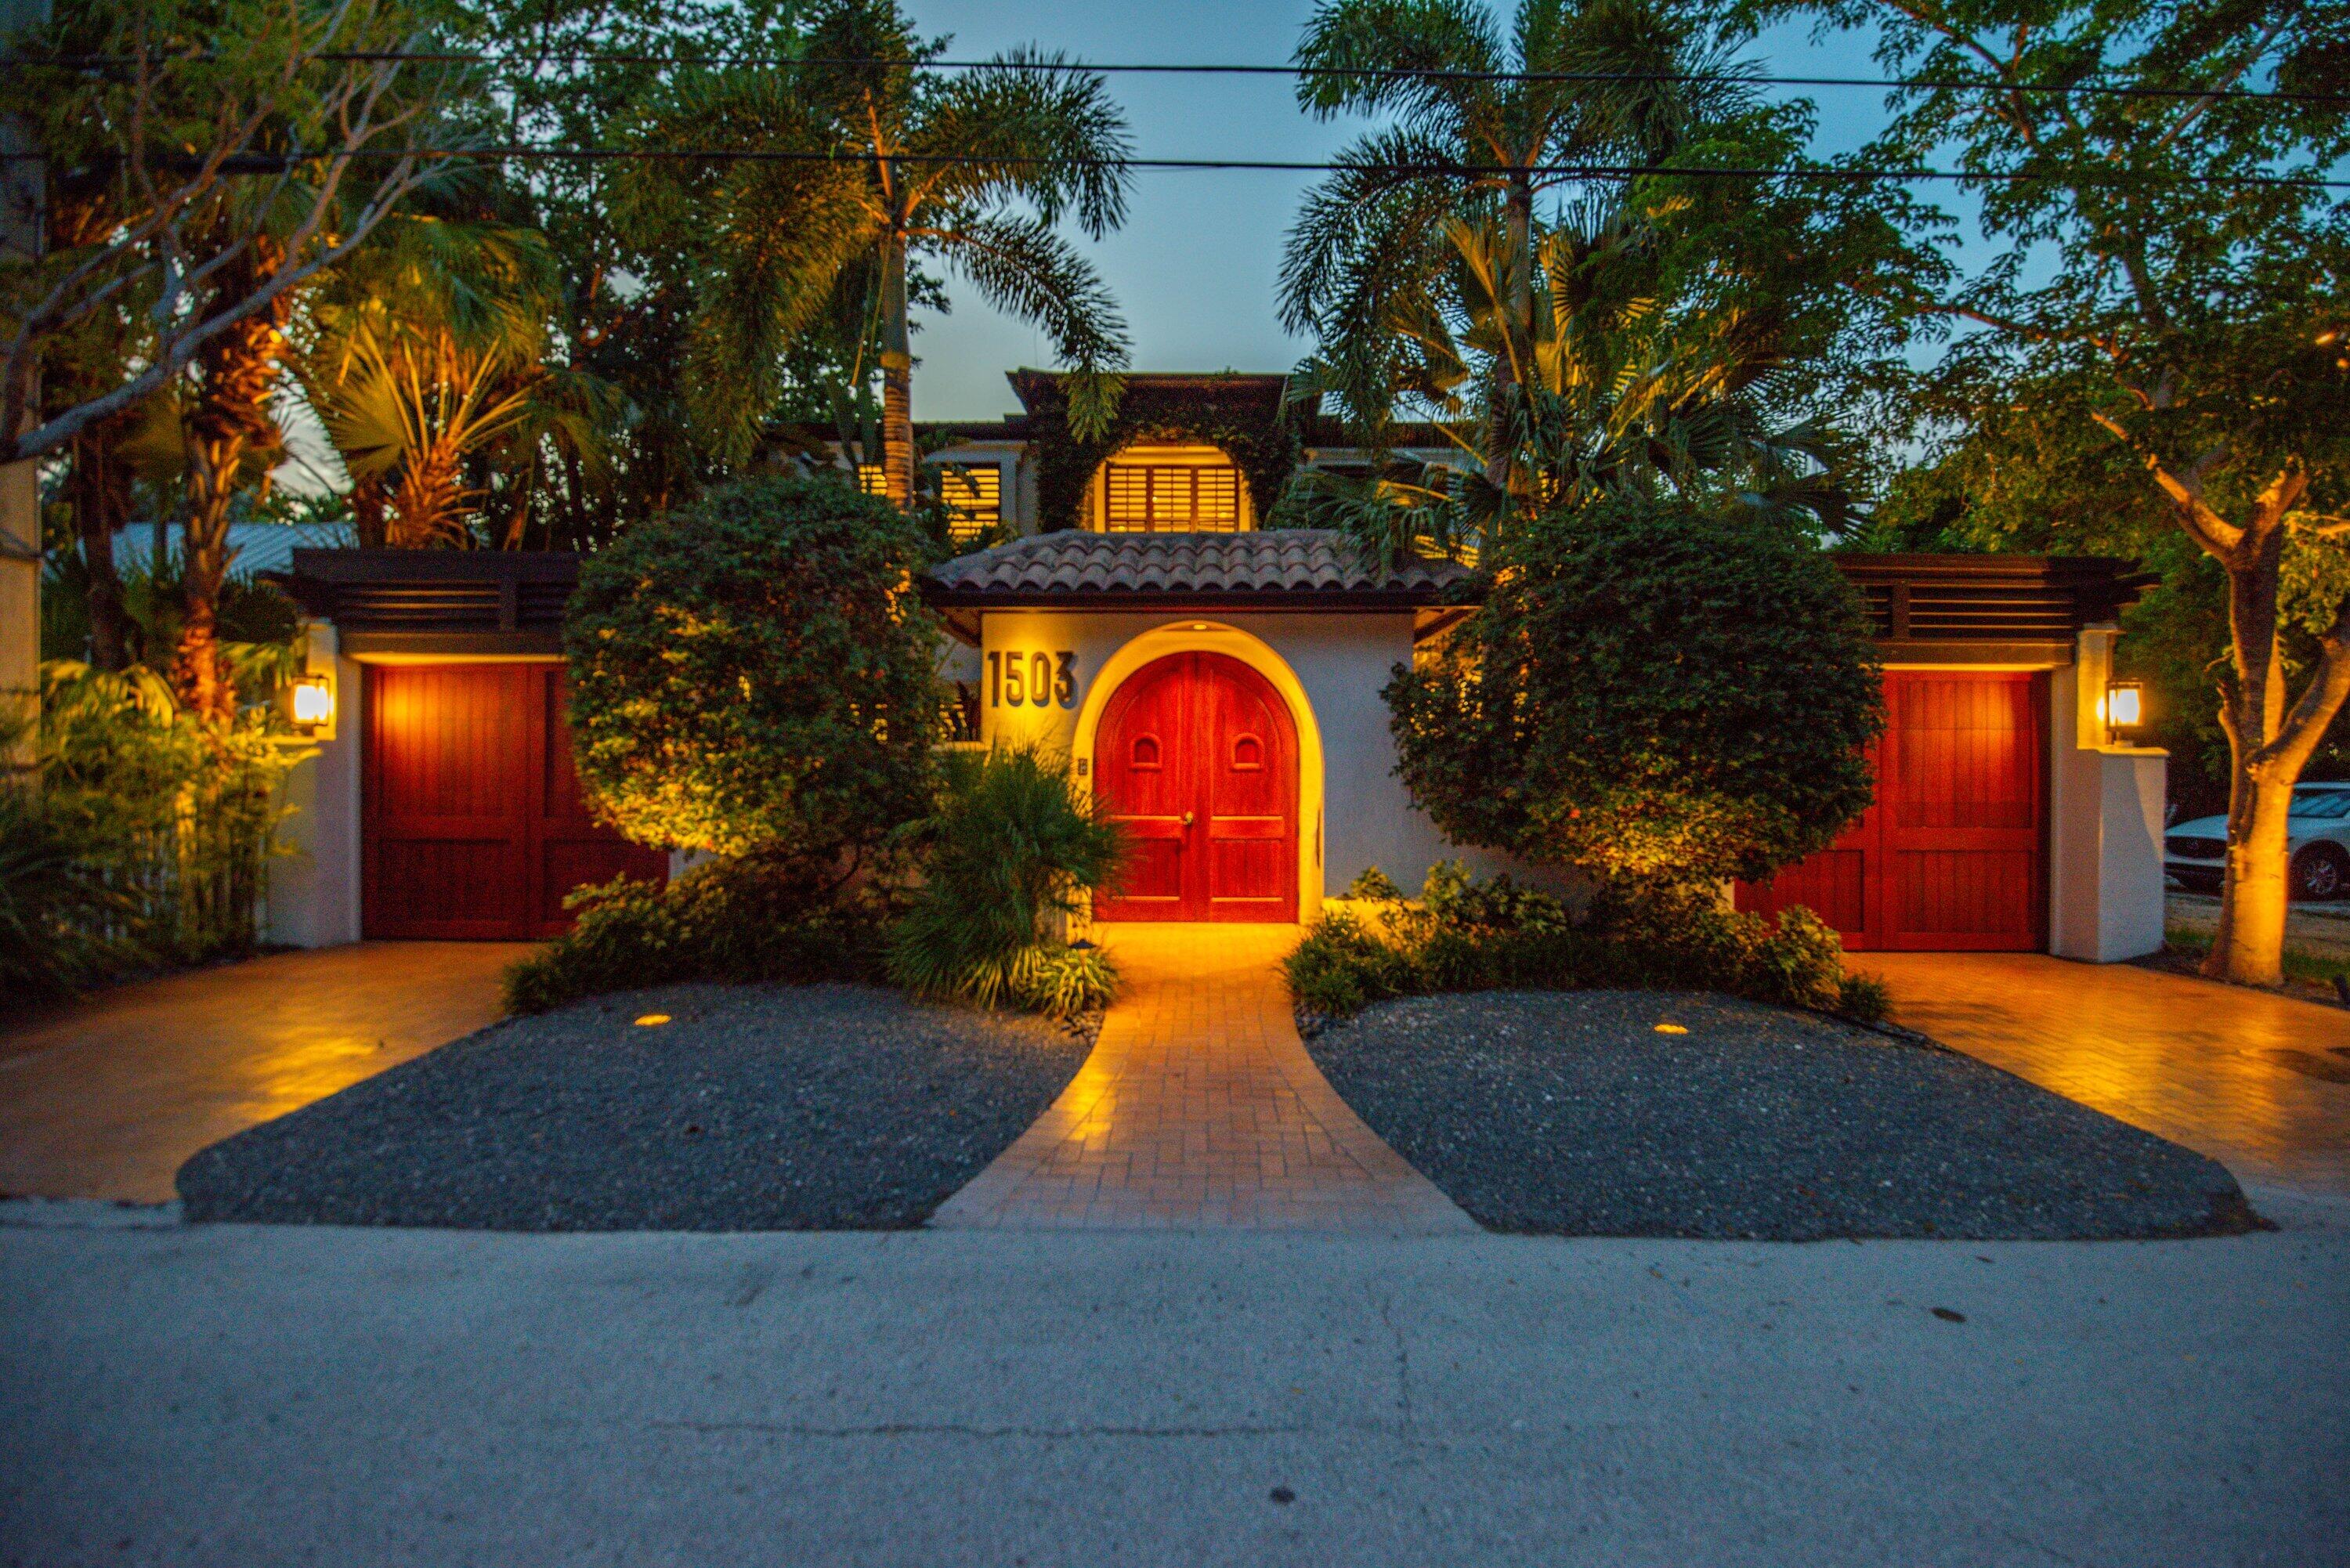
(2171, 300)
(879, 165)
(245, 146)
(753, 676)
(1659, 696)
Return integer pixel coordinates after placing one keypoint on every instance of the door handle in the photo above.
(1187, 819)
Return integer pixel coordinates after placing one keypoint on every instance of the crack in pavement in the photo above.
(963, 1429)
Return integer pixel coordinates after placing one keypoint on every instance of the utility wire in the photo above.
(259, 163)
(1919, 84)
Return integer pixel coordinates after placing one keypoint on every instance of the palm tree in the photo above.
(1621, 381)
(873, 167)
(433, 355)
(1471, 141)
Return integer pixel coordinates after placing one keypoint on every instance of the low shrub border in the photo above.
(1001, 858)
(1465, 934)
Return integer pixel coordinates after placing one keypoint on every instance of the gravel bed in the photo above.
(755, 1108)
(1567, 1113)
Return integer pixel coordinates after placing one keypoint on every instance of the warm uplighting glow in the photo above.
(1671, 1029)
(652, 1020)
(313, 701)
(2125, 704)
(1199, 626)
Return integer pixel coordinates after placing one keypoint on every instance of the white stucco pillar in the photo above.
(314, 889)
(2106, 819)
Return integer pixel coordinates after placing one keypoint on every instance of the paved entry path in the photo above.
(105, 1097)
(2260, 1083)
(1199, 1109)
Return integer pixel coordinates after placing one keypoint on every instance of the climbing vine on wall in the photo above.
(1234, 415)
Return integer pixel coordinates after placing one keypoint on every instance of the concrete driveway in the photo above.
(107, 1098)
(2260, 1083)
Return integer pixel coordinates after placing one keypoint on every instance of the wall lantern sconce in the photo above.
(2125, 706)
(312, 700)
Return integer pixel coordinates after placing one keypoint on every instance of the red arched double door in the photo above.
(1196, 759)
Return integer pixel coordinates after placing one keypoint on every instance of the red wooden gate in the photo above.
(1953, 854)
(473, 822)
(1197, 759)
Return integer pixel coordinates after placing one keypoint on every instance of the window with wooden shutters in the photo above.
(1152, 498)
(974, 499)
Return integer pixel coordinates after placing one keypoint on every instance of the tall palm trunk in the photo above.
(896, 376)
(236, 371)
(1504, 394)
(100, 488)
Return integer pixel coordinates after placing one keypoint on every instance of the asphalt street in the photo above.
(253, 1396)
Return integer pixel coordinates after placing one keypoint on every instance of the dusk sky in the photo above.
(1195, 267)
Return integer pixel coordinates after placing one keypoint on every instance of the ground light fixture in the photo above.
(2125, 706)
(312, 700)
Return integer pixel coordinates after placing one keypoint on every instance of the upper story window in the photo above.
(1141, 493)
(973, 495)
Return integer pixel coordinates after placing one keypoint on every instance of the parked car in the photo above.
(2196, 852)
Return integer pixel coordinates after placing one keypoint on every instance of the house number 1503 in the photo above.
(1032, 680)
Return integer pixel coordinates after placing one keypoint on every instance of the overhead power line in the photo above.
(254, 164)
(616, 58)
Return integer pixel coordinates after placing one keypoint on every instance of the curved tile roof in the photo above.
(1286, 563)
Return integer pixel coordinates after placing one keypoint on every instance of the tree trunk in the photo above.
(100, 491)
(230, 424)
(896, 379)
(2270, 741)
(370, 499)
(198, 676)
(1501, 396)
(2249, 945)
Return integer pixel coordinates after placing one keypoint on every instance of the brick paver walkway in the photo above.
(2260, 1083)
(106, 1098)
(1199, 1109)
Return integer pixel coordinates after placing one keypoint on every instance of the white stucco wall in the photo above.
(313, 889)
(1339, 663)
(2105, 808)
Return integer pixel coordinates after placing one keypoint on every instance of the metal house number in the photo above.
(1037, 679)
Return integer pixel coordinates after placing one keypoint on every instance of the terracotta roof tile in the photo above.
(1279, 564)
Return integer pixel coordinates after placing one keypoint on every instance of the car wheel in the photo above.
(2321, 872)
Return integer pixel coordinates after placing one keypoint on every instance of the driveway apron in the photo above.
(106, 1098)
(1199, 1109)
(2259, 1082)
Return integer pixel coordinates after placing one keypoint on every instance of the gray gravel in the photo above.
(757, 1107)
(1568, 1114)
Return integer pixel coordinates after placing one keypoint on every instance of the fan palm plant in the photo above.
(875, 166)
(432, 354)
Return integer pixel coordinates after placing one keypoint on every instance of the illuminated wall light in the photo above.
(312, 700)
(2125, 705)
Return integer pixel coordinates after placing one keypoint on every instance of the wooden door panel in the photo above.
(1144, 774)
(1953, 855)
(1196, 757)
(473, 821)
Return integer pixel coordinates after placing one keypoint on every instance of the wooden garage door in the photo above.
(1953, 856)
(474, 822)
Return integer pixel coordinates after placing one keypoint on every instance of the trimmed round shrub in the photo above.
(1650, 694)
(754, 676)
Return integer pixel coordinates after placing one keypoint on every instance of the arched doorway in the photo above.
(1196, 758)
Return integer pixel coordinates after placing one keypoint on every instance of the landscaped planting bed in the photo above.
(1569, 1113)
(754, 1107)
